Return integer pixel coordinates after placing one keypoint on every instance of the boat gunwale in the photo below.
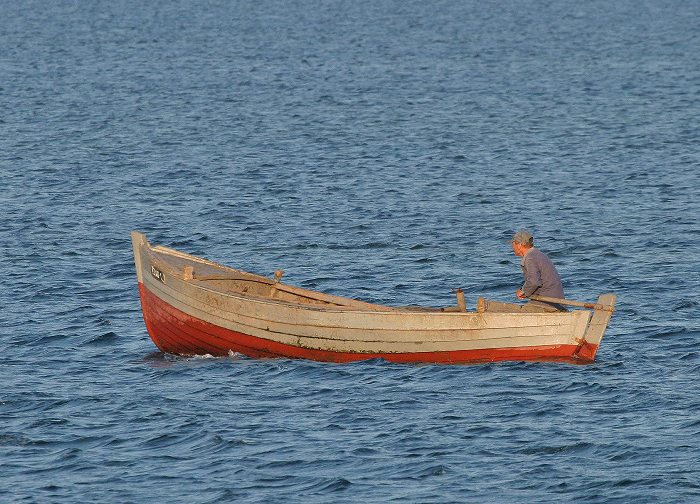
(338, 309)
(365, 307)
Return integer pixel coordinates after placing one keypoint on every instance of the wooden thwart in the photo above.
(568, 302)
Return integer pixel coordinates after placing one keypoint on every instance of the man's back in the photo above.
(541, 277)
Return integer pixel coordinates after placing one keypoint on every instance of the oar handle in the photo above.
(568, 302)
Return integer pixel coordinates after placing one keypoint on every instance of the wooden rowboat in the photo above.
(193, 306)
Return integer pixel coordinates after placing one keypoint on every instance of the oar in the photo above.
(568, 302)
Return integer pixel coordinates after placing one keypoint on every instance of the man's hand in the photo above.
(519, 294)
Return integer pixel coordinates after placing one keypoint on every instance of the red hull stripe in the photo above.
(174, 331)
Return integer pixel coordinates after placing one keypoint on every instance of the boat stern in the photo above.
(588, 346)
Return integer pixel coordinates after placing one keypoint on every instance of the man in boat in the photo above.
(541, 278)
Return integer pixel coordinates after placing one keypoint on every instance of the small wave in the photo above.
(103, 339)
(686, 304)
(51, 338)
(576, 448)
(13, 440)
(436, 470)
(329, 485)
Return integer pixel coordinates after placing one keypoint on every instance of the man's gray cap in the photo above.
(523, 237)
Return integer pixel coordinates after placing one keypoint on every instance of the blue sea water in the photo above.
(384, 150)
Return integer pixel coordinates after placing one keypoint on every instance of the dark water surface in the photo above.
(384, 150)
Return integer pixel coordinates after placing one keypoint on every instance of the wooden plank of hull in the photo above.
(176, 332)
(381, 331)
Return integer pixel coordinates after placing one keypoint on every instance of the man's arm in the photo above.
(533, 279)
